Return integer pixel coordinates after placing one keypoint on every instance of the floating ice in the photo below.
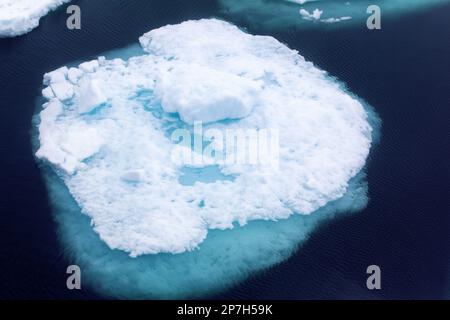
(315, 15)
(216, 95)
(99, 130)
(335, 20)
(110, 145)
(91, 96)
(303, 13)
(21, 16)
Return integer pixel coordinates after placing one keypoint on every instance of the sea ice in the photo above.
(21, 16)
(108, 136)
(276, 14)
(315, 15)
(216, 95)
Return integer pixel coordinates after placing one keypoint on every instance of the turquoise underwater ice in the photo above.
(279, 14)
(225, 258)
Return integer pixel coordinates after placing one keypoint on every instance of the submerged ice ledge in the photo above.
(278, 14)
(108, 141)
(18, 17)
(104, 132)
(225, 258)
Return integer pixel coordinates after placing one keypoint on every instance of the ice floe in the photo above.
(279, 14)
(21, 16)
(106, 130)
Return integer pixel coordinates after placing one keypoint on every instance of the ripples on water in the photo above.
(401, 71)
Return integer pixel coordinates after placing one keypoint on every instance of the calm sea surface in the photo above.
(402, 70)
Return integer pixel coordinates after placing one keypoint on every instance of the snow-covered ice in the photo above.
(107, 153)
(216, 95)
(314, 15)
(21, 16)
(105, 129)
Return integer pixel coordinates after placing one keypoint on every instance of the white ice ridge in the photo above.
(18, 17)
(315, 15)
(105, 131)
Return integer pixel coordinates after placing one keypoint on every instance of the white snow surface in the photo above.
(112, 150)
(314, 15)
(18, 17)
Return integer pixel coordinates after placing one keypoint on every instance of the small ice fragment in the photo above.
(47, 93)
(58, 75)
(62, 90)
(91, 96)
(74, 75)
(89, 66)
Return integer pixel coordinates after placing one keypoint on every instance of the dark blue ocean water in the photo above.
(402, 70)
